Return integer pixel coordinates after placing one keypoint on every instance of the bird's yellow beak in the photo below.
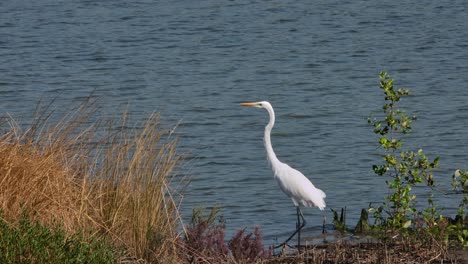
(248, 104)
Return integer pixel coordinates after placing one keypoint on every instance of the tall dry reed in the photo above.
(99, 178)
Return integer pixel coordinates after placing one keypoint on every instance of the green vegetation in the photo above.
(459, 226)
(86, 190)
(419, 232)
(406, 169)
(33, 243)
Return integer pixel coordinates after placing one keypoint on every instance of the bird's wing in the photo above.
(299, 188)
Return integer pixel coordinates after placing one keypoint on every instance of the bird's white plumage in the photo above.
(296, 186)
(291, 181)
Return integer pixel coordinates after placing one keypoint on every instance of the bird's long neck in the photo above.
(267, 139)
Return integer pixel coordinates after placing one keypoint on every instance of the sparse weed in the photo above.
(246, 249)
(205, 238)
(205, 241)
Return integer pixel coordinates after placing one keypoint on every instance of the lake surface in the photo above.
(194, 61)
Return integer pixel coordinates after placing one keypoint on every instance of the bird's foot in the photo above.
(282, 245)
(284, 249)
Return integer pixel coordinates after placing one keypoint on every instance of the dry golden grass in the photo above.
(108, 181)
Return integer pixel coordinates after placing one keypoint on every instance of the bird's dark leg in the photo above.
(299, 213)
(299, 226)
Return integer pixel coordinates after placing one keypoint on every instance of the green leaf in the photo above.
(383, 141)
(407, 224)
(435, 164)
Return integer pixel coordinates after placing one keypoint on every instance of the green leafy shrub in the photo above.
(460, 225)
(405, 169)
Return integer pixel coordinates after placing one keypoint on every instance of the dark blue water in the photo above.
(194, 61)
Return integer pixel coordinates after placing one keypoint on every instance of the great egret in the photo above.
(291, 181)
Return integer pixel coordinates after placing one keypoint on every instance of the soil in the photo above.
(396, 252)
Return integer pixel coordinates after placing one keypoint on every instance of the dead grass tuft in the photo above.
(93, 177)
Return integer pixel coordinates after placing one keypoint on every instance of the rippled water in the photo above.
(194, 61)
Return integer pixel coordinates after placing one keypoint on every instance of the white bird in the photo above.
(291, 181)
